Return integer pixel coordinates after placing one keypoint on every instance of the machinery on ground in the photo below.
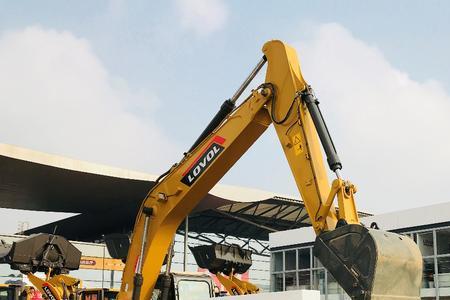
(56, 256)
(48, 253)
(9, 292)
(97, 294)
(183, 286)
(15, 292)
(169, 285)
(225, 261)
(367, 263)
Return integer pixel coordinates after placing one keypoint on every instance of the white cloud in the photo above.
(392, 132)
(202, 16)
(56, 96)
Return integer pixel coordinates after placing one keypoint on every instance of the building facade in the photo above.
(293, 265)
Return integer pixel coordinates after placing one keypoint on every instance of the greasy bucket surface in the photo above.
(371, 264)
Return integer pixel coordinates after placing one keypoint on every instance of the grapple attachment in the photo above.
(371, 264)
(41, 252)
(222, 258)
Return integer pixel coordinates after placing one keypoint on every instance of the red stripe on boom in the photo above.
(217, 139)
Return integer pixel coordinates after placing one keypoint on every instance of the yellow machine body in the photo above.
(56, 287)
(236, 286)
(286, 101)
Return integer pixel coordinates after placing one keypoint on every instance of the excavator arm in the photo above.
(357, 257)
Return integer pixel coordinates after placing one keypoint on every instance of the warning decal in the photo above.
(298, 145)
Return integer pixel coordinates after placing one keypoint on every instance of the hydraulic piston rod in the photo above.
(228, 106)
(322, 130)
(249, 79)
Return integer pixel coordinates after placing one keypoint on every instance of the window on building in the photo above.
(290, 260)
(443, 241)
(425, 243)
(444, 271)
(290, 281)
(332, 285)
(277, 261)
(428, 273)
(277, 282)
(304, 258)
(304, 280)
(317, 263)
(318, 282)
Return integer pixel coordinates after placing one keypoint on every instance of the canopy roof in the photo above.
(107, 199)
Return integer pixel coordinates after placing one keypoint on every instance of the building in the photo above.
(294, 267)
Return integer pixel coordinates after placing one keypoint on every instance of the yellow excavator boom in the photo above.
(361, 260)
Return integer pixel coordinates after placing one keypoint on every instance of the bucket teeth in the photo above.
(371, 264)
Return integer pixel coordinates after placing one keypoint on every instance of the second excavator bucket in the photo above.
(41, 252)
(226, 259)
(371, 264)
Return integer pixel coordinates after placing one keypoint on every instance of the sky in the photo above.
(133, 83)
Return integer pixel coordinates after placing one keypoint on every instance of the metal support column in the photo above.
(186, 237)
(437, 285)
(111, 283)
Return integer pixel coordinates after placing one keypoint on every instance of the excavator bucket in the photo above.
(222, 258)
(371, 264)
(41, 252)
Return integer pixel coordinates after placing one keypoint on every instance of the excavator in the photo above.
(367, 263)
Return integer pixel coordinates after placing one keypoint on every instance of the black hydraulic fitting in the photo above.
(137, 281)
(226, 108)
